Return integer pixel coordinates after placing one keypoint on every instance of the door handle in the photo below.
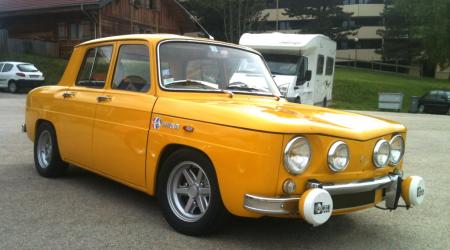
(103, 98)
(68, 94)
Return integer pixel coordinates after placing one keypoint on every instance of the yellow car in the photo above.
(201, 125)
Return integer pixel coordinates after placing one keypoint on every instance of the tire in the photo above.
(421, 109)
(179, 189)
(298, 100)
(47, 159)
(12, 87)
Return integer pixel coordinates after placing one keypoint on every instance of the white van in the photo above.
(302, 65)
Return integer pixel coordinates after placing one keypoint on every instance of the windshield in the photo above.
(27, 68)
(282, 64)
(209, 67)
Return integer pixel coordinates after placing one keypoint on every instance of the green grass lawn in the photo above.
(358, 89)
(53, 68)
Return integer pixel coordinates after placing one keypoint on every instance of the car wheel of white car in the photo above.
(189, 193)
(46, 152)
(421, 108)
(12, 87)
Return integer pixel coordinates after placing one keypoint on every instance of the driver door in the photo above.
(123, 113)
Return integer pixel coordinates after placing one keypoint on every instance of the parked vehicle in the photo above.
(17, 75)
(201, 125)
(302, 65)
(435, 101)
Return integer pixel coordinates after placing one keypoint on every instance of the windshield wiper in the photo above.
(186, 82)
(242, 86)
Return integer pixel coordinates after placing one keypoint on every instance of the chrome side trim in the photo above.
(289, 205)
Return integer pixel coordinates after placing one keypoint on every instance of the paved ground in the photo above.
(84, 210)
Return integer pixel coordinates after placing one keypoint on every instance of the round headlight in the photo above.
(338, 156)
(297, 155)
(381, 153)
(397, 149)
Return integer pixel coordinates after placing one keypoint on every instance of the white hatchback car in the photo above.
(17, 75)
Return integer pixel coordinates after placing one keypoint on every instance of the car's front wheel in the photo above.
(47, 159)
(12, 87)
(189, 193)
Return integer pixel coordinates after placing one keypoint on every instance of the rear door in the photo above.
(77, 104)
(123, 115)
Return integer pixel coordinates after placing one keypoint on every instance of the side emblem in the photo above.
(156, 123)
(320, 208)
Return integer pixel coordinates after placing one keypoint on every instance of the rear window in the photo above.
(95, 67)
(27, 68)
(329, 67)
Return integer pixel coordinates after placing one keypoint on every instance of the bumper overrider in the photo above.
(319, 200)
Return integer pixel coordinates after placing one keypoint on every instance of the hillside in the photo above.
(358, 89)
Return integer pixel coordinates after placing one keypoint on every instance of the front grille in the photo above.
(353, 200)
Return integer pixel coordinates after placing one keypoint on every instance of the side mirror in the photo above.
(308, 75)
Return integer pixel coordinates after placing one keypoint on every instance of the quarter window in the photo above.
(320, 63)
(7, 67)
(132, 69)
(329, 66)
(95, 67)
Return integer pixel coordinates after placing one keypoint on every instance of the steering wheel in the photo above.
(133, 83)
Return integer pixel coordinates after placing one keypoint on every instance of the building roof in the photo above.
(27, 5)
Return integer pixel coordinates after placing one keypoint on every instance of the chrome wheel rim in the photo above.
(44, 149)
(188, 191)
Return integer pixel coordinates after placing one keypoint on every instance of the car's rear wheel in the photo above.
(12, 87)
(189, 193)
(421, 108)
(47, 159)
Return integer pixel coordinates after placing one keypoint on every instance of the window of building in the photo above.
(62, 31)
(132, 71)
(7, 67)
(320, 63)
(95, 67)
(284, 25)
(329, 67)
(80, 31)
(150, 4)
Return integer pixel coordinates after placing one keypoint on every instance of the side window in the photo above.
(320, 62)
(7, 67)
(132, 71)
(95, 67)
(302, 68)
(1, 65)
(329, 67)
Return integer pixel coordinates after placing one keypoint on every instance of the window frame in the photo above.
(326, 66)
(323, 64)
(108, 73)
(116, 52)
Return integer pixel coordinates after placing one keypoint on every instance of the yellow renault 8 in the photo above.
(201, 125)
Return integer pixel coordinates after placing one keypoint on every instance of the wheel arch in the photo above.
(165, 154)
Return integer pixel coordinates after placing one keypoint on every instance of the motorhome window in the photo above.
(329, 66)
(282, 64)
(320, 63)
(303, 67)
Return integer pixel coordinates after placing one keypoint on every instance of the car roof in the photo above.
(15, 63)
(161, 37)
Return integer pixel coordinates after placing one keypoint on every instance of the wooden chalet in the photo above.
(69, 22)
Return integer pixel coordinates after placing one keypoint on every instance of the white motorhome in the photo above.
(302, 65)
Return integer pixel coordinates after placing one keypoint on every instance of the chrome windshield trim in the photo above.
(158, 60)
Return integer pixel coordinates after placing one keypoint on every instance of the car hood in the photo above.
(265, 114)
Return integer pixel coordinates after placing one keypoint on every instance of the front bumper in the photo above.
(290, 205)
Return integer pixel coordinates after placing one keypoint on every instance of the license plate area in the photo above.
(341, 201)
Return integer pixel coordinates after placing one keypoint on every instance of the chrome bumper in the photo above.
(289, 205)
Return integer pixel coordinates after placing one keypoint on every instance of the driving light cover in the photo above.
(297, 155)
(338, 156)
(397, 149)
(381, 153)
